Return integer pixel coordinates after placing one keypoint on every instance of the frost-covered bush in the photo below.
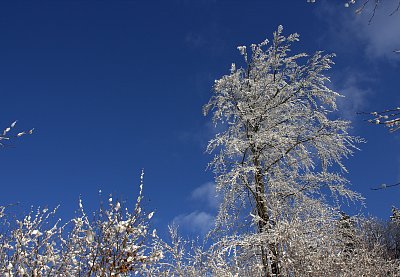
(116, 241)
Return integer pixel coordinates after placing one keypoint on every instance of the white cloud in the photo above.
(376, 40)
(382, 35)
(198, 222)
(355, 97)
(206, 194)
(366, 46)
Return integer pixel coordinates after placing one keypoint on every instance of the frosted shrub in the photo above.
(116, 241)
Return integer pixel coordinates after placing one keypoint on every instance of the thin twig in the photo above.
(383, 186)
(396, 10)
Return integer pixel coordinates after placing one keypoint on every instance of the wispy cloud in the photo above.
(202, 220)
(355, 96)
(197, 222)
(196, 40)
(377, 37)
(382, 35)
(365, 44)
(201, 135)
(210, 38)
(206, 194)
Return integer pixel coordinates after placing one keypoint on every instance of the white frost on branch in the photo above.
(116, 242)
(389, 118)
(7, 136)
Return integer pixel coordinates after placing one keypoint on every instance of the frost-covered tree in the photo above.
(281, 139)
(395, 217)
(314, 242)
(393, 241)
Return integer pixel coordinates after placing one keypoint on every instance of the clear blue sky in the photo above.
(115, 86)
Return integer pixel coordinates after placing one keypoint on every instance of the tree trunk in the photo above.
(264, 223)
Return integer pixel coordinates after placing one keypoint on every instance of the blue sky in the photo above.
(112, 87)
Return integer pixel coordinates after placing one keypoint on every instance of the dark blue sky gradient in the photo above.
(115, 86)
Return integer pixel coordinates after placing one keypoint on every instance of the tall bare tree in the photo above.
(279, 142)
